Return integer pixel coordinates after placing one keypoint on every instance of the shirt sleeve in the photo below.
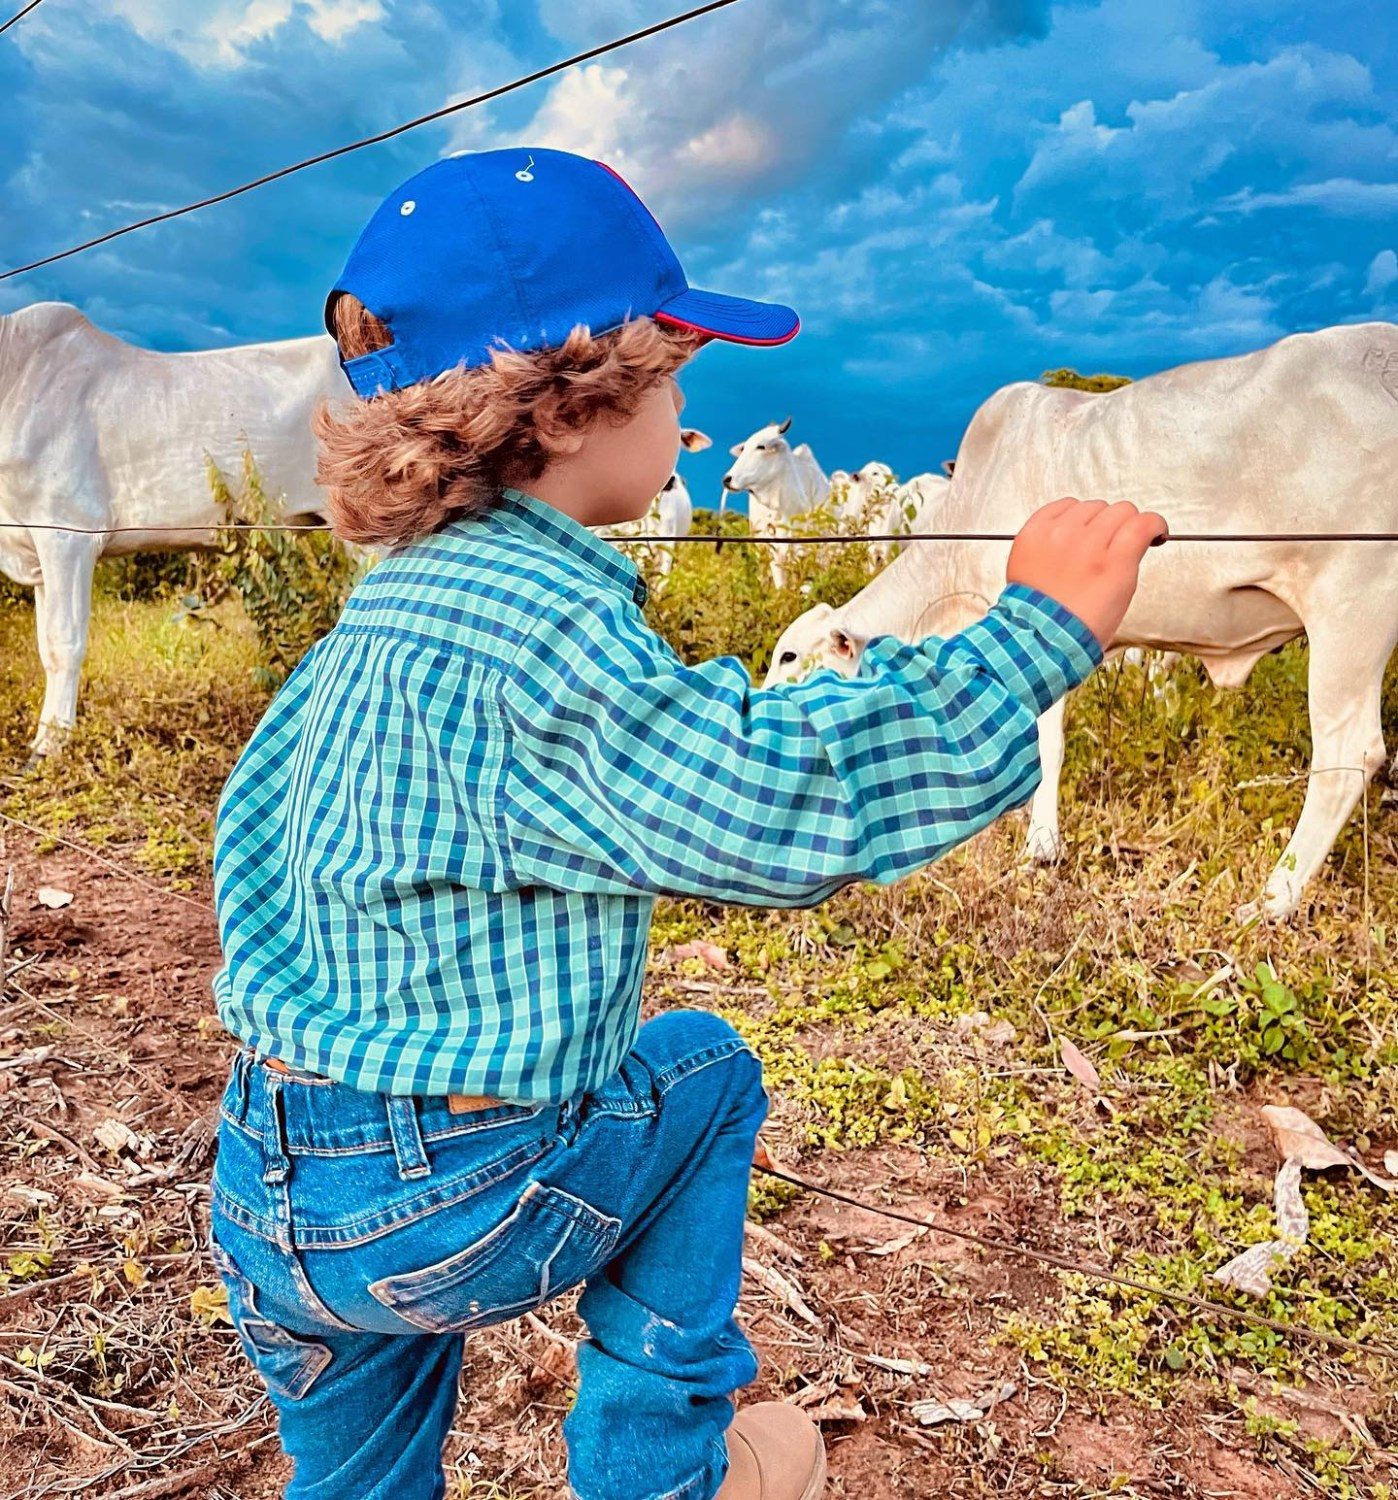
(627, 770)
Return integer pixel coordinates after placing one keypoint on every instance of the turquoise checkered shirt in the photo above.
(435, 861)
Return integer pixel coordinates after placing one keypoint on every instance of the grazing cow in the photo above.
(782, 482)
(671, 512)
(99, 434)
(1299, 437)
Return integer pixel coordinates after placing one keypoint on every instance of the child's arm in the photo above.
(629, 770)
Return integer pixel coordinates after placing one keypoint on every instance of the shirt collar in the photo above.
(575, 539)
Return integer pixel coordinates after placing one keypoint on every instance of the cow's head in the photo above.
(867, 482)
(813, 640)
(759, 459)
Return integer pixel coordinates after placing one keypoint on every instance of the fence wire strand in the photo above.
(1076, 1267)
(724, 539)
(19, 15)
(374, 140)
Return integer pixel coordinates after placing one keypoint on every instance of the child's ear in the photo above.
(561, 442)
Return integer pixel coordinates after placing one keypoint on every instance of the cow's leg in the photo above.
(62, 610)
(1345, 688)
(1043, 844)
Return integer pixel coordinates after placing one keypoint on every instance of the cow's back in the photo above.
(97, 430)
(1296, 438)
(1299, 436)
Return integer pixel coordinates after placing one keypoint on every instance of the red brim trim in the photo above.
(728, 338)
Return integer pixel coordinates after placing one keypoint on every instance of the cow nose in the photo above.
(670, 482)
(728, 481)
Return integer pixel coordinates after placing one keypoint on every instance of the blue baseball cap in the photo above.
(514, 249)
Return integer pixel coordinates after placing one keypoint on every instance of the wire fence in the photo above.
(1053, 1259)
(734, 538)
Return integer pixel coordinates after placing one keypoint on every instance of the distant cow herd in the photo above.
(1301, 437)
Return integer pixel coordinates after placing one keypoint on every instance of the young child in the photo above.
(436, 860)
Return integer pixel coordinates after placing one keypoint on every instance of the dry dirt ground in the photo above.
(118, 1376)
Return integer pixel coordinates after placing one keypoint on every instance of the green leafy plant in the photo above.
(293, 585)
(1069, 379)
(1278, 1016)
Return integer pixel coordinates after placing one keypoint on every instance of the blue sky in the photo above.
(954, 193)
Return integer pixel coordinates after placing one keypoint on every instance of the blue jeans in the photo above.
(362, 1236)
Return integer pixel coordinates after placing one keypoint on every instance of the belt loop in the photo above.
(567, 1121)
(405, 1132)
(278, 1167)
(242, 1092)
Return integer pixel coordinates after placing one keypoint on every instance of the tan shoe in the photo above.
(775, 1452)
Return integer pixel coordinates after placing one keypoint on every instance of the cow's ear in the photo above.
(694, 441)
(948, 467)
(736, 450)
(783, 427)
(844, 645)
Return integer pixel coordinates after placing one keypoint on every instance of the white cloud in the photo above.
(1043, 250)
(1336, 195)
(735, 147)
(333, 20)
(755, 95)
(1383, 272)
(1172, 147)
(221, 34)
(589, 111)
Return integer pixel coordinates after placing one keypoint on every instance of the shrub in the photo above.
(1071, 380)
(725, 604)
(149, 575)
(293, 585)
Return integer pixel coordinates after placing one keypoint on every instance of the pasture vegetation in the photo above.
(876, 1015)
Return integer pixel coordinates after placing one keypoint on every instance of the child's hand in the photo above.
(1086, 554)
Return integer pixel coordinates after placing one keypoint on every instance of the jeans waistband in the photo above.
(297, 1113)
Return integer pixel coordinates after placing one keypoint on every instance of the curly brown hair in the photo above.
(400, 465)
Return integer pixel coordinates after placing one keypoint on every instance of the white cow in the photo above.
(99, 434)
(782, 482)
(887, 508)
(1299, 437)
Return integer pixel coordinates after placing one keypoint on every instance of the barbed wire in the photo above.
(736, 538)
(373, 140)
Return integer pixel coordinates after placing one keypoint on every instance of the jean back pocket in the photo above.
(550, 1242)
